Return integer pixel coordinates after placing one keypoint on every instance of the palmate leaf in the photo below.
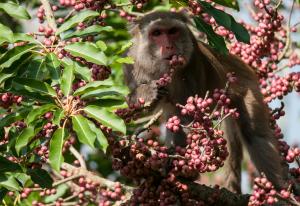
(88, 51)
(55, 151)
(80, 17)
(14, 10)
(83, 130)
(106, 118)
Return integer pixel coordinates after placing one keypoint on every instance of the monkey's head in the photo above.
(157, 37)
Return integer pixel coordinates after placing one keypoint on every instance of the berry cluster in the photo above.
(7, 99)
(264, 193)
(276, 87)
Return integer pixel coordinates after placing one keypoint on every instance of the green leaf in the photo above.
(93, 86)
(14, 54)
(38, 112)
(6, 34)
(57, 116)
(67, 80)
(8, 166)
(13, 117)
(83, 131)
(83, 71)
(55, 151)
(3, 192)
(91, 30)
(33, 85)
(88, 51)
(40, 177)
(80, 17)
(60, 191)
(124, 47)
(37, 70)
(125, 60)
(100, 137)
(15, 67)
(106, 118)
(22, 140)
(53, 63)
(226, 20)
(9, 182)
(178, 3)
(216, 41)
(24, 37)
(229, 3)
(22, 178)
(15, 10)
(101, 92)
(110, 104)
(101, 45)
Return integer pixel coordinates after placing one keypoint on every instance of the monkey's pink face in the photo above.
(164, 39)
(168, 38)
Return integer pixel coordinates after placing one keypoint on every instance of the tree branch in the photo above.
(49, 14)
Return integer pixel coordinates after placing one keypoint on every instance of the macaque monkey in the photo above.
(156, 38)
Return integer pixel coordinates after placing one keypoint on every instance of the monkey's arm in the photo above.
(149, 91)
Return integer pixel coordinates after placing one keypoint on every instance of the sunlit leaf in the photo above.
(14, 54)
(91, 30)
(55, 151)
(14, 10)
(83, 130)
(106, 118)
(67, 80)
(73, 21)
(88, 51)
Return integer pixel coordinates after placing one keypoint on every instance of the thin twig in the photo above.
(148, 125)
(78, 156)
(288, 35)
(59, 182)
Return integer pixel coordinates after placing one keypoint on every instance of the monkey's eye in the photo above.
(156, 32)
(173, 30)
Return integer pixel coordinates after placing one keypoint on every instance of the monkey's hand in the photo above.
(150, 93)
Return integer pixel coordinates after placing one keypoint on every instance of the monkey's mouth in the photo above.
(171, 56)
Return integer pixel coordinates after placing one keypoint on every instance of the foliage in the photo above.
(61, 90)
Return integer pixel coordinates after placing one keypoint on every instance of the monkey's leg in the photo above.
(232, 178)
(259, 138)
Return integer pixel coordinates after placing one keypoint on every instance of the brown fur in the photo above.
(206, 70)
